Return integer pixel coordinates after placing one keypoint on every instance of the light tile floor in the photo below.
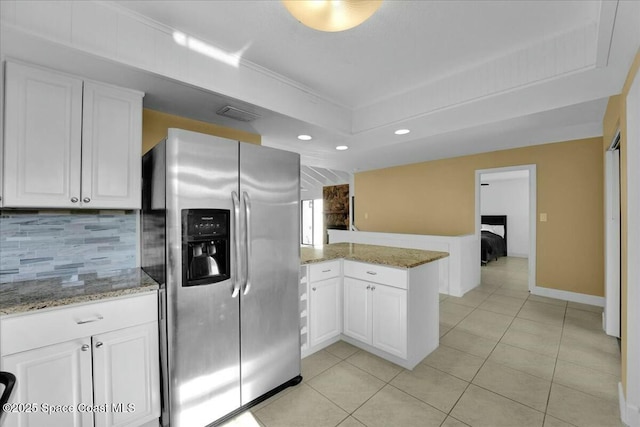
(506, 358)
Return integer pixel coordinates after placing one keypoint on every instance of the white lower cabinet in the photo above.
(391, 312)
(320, 305)
(357, 309)
(52, 378)
(325, 310)
(126, 375)
(376, 315)
(107, 374)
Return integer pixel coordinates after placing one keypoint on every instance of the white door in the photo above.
(126, 376)
(111, 147)
(390, 319)
(43, 120)
(612, 239)
(357, 309)
(324, 300)
(58, 374)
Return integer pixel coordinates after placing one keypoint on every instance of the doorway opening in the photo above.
(312, 220)
(511, 194)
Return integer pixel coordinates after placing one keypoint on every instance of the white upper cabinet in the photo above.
(69, 143)
(42, 144)
(111, 147)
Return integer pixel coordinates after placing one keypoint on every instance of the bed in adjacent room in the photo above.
(493, 237)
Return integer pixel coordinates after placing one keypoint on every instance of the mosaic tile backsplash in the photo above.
(63, 244)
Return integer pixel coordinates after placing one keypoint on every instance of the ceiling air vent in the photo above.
(237, 114)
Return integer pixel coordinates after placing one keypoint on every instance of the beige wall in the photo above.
(155, 125)
(616, 117)
(438, 197)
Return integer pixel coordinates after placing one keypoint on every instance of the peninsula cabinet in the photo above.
(325, 302)
(376, 315)
(69, 142)
(92, 364)
(391, 312)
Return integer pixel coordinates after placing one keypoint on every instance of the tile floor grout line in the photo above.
(483, 363)
(555, 365)
(481, 366)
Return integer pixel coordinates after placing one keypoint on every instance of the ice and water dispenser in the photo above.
(205, 246)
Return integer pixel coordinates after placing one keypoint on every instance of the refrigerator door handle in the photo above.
(236, 243)
(247, 224)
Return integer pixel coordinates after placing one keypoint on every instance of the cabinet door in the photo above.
(43, 119)
(324, 303)
(58, 374)
(357, 309)
(111, 147)
(390, 319)
(126, 376)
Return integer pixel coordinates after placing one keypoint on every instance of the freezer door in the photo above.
(270, 318)
(203, 345)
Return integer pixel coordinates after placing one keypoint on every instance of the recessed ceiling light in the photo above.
(402, 131)
(305, 137)
(342, 147)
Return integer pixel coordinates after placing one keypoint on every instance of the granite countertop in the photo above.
(373, 254)
(21, 297)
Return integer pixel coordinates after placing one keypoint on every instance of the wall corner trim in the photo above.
(629, 414)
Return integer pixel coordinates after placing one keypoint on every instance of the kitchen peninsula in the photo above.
(381, 299)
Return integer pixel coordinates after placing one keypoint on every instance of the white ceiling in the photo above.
(465, 76)
(404, 44)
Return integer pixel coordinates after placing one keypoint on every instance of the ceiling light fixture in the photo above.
(305, 137)
(402, 131)
(342, 147)
(332, 15)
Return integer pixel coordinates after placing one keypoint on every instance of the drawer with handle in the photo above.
(396, 277)
(38, 329)
(324, 270)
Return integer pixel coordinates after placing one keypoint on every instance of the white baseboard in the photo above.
(314, 349)
(629, 414)
(568, 296)
(517, 255)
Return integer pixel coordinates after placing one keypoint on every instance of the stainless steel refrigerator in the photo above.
(220, 229)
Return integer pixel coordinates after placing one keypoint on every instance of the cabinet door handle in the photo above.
(373, 273)
(85, 347)
(99, 344)
(368, 287)
(373, 288)
(326, 271)
(95, 319)
(74, 200)
(86, 200)
(313, 289)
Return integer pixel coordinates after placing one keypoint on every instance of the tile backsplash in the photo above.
(65, 244)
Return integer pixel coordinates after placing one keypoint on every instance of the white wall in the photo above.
(509, 197)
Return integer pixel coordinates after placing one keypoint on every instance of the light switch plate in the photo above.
(543, 217)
